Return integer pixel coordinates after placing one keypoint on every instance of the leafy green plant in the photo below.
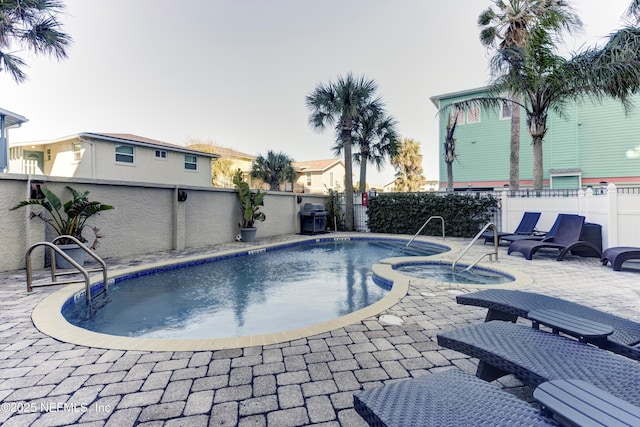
(68, 218)
(250, 202)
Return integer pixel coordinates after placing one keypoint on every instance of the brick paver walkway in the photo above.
(310, 381)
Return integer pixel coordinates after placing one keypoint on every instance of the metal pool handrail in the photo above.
(495, 245)
(77, 266)
(424, 225)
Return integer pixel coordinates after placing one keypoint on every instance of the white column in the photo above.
(612, 214)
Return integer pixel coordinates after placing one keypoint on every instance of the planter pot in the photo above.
(248, 234)
(74, 251)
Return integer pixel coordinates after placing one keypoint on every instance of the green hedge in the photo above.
(404, 213)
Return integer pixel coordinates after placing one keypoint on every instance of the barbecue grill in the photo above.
(313, 218)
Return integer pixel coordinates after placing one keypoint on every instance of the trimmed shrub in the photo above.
(404, 213)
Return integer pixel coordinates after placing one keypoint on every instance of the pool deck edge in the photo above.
(48, 318)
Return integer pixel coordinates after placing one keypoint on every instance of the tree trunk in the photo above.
(348, 177)
(537, 164)
(449, 176)
(450, 150)
(537, 129)
(514, 158)
(364, 158)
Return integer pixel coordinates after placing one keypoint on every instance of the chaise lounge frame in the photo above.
(508, 305)
(525, 229)
(447, 399)
(536, 356)
(618, 255)
(566, 238)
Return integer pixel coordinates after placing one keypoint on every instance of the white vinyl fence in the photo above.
(617, 210)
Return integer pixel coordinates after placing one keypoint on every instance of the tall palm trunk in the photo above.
(537, 122)
(537, 163)
(514, 158)
(348, 175)
(364, 159)
(450, 150)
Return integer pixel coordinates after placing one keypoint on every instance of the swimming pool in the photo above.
(247, 293)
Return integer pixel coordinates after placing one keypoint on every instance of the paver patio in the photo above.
(310, 381)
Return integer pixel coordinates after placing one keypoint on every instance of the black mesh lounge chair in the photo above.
(618, 255)
(447, 399)
(526, 227)
(508, 305)
(536, 356)
(567, 237)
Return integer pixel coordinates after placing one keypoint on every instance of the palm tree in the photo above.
(634, 10)
(548, 81)
(274, 169)
(509, 26)
(30, 24)
(408, 163)
(377, 138)
(341, 105)
(450, 148)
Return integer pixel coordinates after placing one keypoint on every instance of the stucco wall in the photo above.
(146, 218)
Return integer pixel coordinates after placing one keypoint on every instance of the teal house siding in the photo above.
(592, 142)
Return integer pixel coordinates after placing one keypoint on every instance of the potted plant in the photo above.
(250, 202)
(68, 219)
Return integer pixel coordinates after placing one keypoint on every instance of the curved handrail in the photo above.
(88, 251)
(495, 244)
(424, 225)
(70, 260)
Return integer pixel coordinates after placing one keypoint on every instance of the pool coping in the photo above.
(48, 318)
(385, 269)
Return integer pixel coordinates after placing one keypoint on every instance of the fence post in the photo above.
(583, 201)
(612, 213)
(504, 210)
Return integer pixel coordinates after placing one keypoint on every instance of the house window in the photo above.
(190, 162)
(124, 153)
(48, 154)
(308, 178)
(457, 113)
(161, 154)
(473, 114)
(505, 110)
(77, 152)
(331, 179)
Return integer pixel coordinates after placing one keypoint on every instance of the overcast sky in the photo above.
(237, 71)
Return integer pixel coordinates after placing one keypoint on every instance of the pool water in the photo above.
(276, 290)
(443, 272)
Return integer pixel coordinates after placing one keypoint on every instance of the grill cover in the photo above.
(312, 218)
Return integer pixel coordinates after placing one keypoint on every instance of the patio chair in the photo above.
(504, 304)
(538, 235)
(618, 255)
(450, 398)
(536, 356)
(454, 398)
(567, 237)
(525, 228)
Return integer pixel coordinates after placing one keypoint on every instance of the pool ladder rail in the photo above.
(489, 254)
(54, 274)
(424, 225)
